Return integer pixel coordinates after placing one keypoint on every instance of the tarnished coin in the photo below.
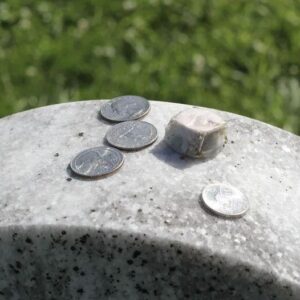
(131, 135)
(125, 108)
(96, 162)
(225, 200)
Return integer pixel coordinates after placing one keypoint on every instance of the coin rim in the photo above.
(229, 216)
(100, 175)
(131, 149)
(145, 112)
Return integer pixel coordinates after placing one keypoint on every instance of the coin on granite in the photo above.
(225, 200)
(96, 162)
(125, 108)
(131, 135)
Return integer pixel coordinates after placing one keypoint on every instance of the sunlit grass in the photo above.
(242, 57)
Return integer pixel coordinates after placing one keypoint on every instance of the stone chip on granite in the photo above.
(196, 132)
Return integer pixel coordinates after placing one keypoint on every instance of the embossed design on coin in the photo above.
(132, 135)
(225, 200)
(97, 162)
(125, 108)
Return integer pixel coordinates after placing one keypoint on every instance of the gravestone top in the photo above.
(156, 192)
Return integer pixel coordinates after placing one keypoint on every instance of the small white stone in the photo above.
(196, 132)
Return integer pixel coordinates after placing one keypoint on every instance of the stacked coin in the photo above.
(127, 135)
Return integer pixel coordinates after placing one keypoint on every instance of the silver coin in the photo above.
(125, 108)
(96, 162)
(131, 135)
(225, 200)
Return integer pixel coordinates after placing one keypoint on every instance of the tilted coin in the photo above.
(125, 108)
(97, 161)
(225, 200)
(131, 135)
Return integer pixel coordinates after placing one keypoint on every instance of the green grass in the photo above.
(239, 56)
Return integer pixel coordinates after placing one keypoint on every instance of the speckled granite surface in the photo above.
(141, 233)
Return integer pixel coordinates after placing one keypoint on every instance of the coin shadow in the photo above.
(106, 143)
(72, 175)
(167, 155)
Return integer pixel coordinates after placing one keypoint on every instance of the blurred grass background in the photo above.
(239, 56)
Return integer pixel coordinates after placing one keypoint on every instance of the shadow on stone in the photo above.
(70, 262)
(164, 153)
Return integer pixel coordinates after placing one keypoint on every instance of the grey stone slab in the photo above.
(141, 233)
